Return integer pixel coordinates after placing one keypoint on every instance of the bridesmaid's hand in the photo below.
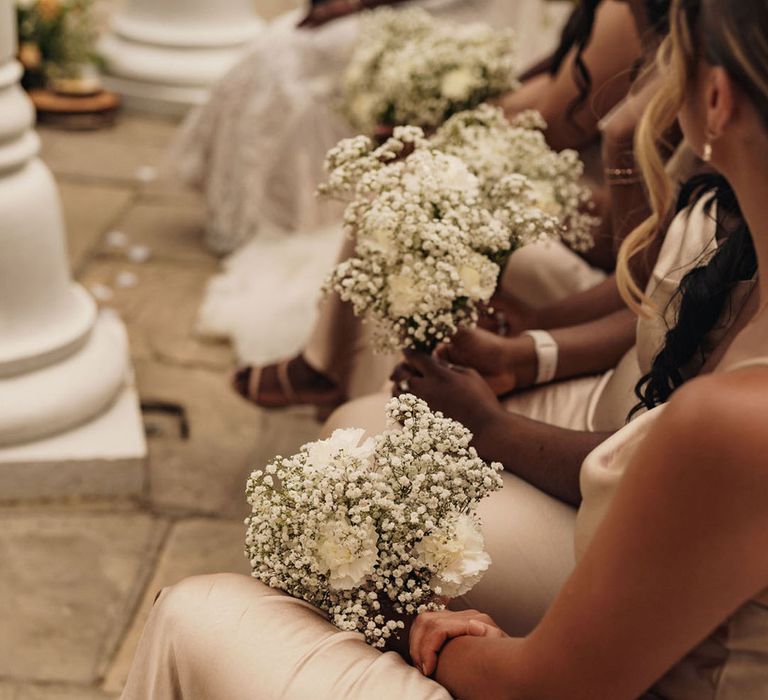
(505, 364)
(431, 631)
(460, 393)
(508, 318)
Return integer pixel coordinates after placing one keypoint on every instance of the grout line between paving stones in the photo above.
(112, 646)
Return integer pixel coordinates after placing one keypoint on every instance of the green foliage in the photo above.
(56, 39)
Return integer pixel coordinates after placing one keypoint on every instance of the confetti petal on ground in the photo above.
(102, 292)
(139, 253)
(116, 239)
(126, 279)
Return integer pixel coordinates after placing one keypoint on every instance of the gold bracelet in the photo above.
(623, 176)
(621, 172)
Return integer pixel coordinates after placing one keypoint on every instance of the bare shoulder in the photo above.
(720, 421)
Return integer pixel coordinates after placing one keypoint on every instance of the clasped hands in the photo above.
(431, 631)
(465, 377)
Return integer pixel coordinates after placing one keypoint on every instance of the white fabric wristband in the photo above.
(546, 353)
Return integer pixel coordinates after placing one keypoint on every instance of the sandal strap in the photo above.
(285, 382)
(254, 384)
(241, 381)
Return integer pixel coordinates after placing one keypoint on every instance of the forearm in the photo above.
(586, 348)
(474, 668)
(544, 455)
(596, 346)
(594, 303)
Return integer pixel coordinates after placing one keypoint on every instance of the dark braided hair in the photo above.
(577, 33)
(704, 292)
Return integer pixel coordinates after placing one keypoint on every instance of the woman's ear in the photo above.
(720, 102)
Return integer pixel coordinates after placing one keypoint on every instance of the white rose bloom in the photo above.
(321, 453)
(347, 553)
(460, 559)
(404, 295)
(458, 84)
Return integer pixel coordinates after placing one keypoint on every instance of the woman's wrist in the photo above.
(492, 432)
(522, 360)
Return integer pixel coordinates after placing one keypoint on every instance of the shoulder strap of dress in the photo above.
(753, 362)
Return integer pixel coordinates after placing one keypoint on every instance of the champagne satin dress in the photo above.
(730, 664)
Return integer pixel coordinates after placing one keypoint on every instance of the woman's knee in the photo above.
(190, 600)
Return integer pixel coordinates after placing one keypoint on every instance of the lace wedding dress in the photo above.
(256, 150)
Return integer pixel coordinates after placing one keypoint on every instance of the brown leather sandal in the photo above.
(247, 382)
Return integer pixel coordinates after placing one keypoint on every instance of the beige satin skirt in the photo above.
(229, 637)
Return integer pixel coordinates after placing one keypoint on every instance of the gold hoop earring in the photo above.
(707, 155)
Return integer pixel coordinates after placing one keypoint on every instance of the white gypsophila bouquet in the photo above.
(411, 68)
(495, 148)
(373, 532)
(433, 219)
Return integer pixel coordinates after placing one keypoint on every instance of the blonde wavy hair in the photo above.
(676, 60)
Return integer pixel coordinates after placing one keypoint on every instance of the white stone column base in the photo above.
(72, 391)
(166, 79)
(104, 458)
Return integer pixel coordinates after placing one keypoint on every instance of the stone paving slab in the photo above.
(171, 229)
(130, 152)
(104, 457)
(89, 211)
(193, 547)
(205, 474)
(282, 432)
(161, 309)
(68, 585)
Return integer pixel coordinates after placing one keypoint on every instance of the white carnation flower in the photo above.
(347, 553)
(479, 278)
(457, 84)
(455, 175)
(322, 453)
(404, 295)
(542, 193)
(457, 555)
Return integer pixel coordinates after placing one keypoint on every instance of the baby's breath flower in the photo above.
(432, 227)
(409, 67)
